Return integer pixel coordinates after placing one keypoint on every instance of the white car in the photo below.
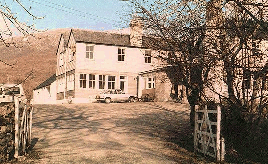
(8, 91)
(116, 95)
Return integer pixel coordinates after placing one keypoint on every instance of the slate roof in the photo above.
(99, 37)
(47, 82)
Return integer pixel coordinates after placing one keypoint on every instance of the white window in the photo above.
(121, 54)
(150, 82)
(111, 82)
(89, 51)
(147, 56)
(83, 80)
(91, 81)
(123, 83)
(101, 81)
(246, 79)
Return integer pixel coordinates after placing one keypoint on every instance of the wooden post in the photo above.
(218, 142)
(17, 121)
(24, 130)
(195, 127)
(222, 149)
(31, 120)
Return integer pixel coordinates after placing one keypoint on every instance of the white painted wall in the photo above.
(106, 59)
(44, 96)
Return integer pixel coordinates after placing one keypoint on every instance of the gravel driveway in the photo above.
(112, 133)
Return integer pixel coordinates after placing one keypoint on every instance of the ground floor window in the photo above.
(101, 81)
(111, 82)
(83, 80)
(91, 81)
(123, 83)
(150, 82)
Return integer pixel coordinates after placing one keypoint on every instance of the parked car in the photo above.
(116, 95)
(8, 91)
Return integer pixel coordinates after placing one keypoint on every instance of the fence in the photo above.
(23, 127)
(207, 138)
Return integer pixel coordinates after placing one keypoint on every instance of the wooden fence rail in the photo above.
(207, 138)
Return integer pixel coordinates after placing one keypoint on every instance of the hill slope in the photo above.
(34, 56)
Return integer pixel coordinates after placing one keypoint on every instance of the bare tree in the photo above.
(10, 22)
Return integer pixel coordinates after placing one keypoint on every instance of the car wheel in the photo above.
(107, 100)
(131, 99)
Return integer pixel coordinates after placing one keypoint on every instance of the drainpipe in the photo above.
(138, 86)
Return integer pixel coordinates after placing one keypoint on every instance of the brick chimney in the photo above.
(136, 31)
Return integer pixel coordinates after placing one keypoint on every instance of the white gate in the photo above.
(207, 139)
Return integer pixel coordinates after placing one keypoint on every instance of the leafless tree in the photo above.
(9, 21)
(215, 44)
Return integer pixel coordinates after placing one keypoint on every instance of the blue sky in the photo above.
(87, 14)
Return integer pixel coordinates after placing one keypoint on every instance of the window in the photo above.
(147, 56)
(265, 83)
(89, 51)
(122, 83)
(101, 81)
(121, 54)
(246, 79)
(111, 82)
(91, 81)
(83, 80)
(150, 83)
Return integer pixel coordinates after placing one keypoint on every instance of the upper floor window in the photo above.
(246, 79)
(91, 81)
(121, 54)
(147, 56)
(89, 51)
(150, 83)
(111, 82)
(83, 80)
(101, 81)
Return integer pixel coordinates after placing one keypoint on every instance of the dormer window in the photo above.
(89, 51)
(121, 54)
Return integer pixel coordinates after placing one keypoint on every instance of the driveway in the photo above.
(112, 133)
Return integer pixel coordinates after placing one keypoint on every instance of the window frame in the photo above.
(111, 82)
(247, 79)
(150, 83)
(90, 51)
(102, 81)
(121, 54)
(124, 81)
(83, 80)
(148, 56)
(91, 81)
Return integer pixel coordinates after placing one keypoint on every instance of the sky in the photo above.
(84, 14)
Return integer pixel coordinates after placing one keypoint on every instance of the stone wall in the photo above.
(7, 132)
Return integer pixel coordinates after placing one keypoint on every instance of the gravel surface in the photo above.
(112, 133)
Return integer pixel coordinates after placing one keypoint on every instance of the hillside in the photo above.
(36, 54)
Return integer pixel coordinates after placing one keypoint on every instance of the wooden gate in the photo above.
(207, 138)
(23, 127)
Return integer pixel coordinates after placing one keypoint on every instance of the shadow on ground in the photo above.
(114, 133)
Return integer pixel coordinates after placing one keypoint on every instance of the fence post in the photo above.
(195, 127)
(17, 112)
(218, 142)
(222, 149)
(31, 120)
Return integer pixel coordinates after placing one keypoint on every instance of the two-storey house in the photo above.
(91, 61)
